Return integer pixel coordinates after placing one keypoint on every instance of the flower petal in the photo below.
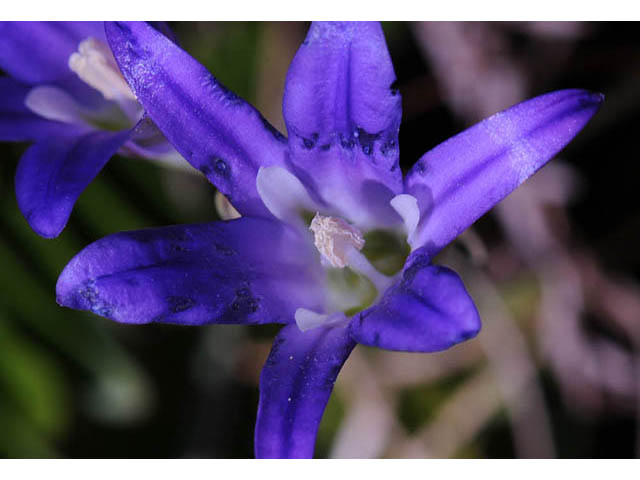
(343, 114)
(295, 385)
(242, 271)
(427, 310)
(53, 173)
(339, 83)
(38, 52)
(217, 132)
(462, 178)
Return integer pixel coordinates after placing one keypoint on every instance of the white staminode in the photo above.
(407, 207)
(95, 65)
(334, 238)
(53, 103)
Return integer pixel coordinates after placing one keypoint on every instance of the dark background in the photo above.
(554, 270)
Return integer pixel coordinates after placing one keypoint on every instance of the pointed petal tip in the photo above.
(591, 99)
(43, 225)
(469, 331)
(48, 232)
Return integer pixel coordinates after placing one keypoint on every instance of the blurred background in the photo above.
(554, 270)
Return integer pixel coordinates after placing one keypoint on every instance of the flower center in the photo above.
(95, 65)
(353, 282)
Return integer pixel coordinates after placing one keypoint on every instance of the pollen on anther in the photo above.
(333, 237)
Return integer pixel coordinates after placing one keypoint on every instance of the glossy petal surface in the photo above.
(242, 271)
(216, 131)
(295, 385)
(53, 173)
(426, 311)
(461, 179)
(343, 114)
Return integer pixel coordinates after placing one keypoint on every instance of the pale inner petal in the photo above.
(55, 104)
(283, 194)
(407, 207)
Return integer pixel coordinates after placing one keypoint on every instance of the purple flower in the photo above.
(332, 241)
(65, 94)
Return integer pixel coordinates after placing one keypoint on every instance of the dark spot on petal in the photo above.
(215, 165)
(176, 247)
(347, 143)
(243, 292)
(309, 143)
(223, 249)
(394, 87)
(367, 140)
(180, 304)
(123, 27)
(92, 297)
(221, 167)
(325, 147)
(245, 305)
(388, 147)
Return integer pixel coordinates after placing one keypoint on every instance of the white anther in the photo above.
(95, 65)
(333, 237)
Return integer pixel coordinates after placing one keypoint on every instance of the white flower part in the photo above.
(308, 319)
(55, 104)
(95, 65)
(407, 207)
(359, 263)
(283, 194)
(224, 207)
(334, 238)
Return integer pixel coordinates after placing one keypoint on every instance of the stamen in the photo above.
(95, 65)
(360, 264)
(333, 237)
